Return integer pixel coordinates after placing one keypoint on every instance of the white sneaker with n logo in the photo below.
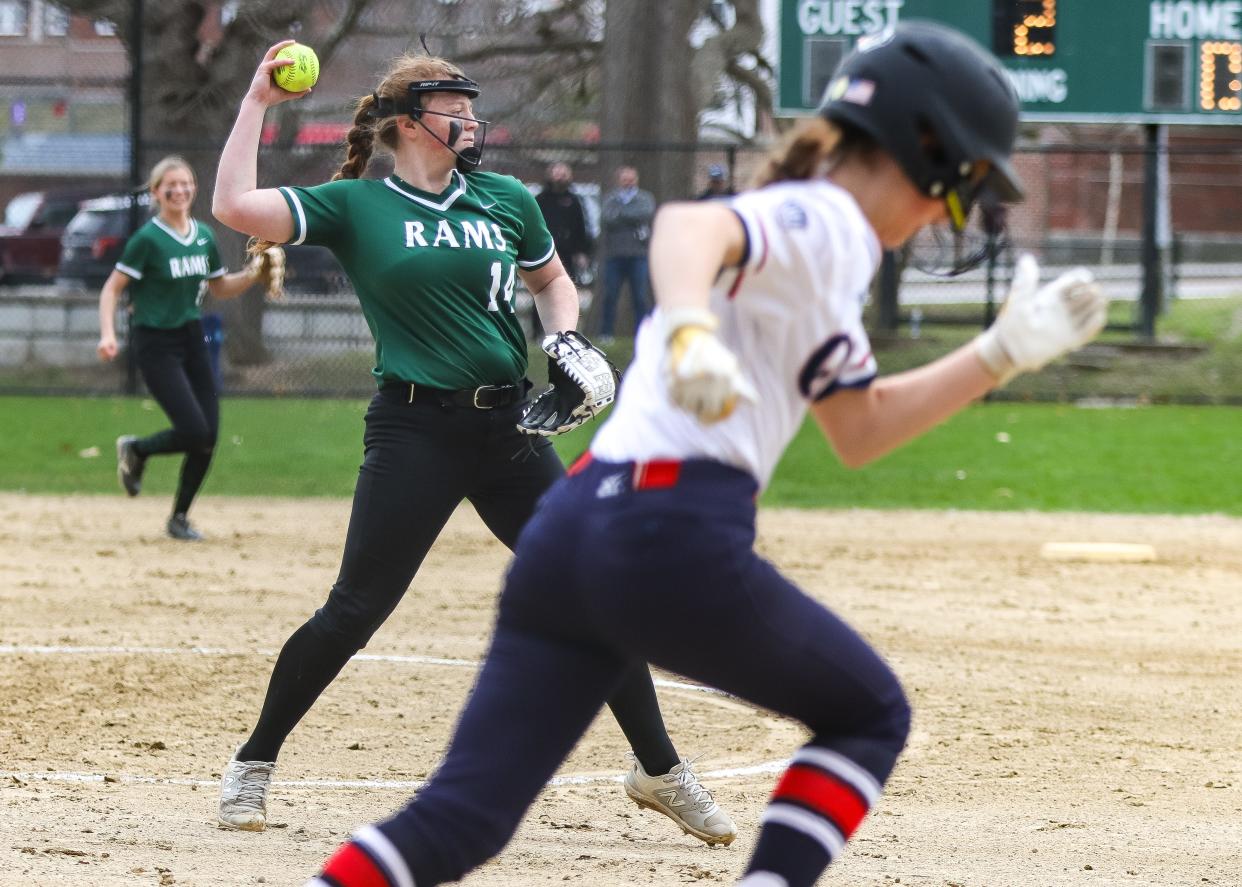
(671, 798)
(680, 796)
(243, 795)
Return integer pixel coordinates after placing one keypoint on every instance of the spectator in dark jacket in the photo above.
(717, 183)
(566, 219)
(627, 214)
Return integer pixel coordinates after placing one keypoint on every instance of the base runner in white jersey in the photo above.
(433, 252)
(759, 304)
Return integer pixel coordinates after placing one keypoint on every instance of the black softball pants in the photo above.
(176, 368)
(421, 459)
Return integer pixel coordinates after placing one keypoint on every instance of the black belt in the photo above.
(485, 397)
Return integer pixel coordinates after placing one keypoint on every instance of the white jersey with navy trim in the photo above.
(792, 313)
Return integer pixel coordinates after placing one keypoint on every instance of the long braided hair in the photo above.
(367, 129)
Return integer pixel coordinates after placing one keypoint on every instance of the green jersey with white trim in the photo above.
(435, 273)
(167, 269)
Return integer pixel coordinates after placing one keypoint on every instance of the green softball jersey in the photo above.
(435, 273)
(167, 269)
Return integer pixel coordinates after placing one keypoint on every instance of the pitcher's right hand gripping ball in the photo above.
(702, 374)
(1039, 324)
(582, 383)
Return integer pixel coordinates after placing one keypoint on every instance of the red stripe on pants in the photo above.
(581, 463)
(658, 475)
(824, 794)
(352, 867)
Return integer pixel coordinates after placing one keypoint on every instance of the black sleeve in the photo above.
(581, 240)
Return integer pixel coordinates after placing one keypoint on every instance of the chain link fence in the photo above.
(1081, 210)
(63, 140)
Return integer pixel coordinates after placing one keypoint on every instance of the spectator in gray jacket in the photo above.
(627, 213)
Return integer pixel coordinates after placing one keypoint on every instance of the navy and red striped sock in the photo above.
(368, 860)
(817, 805)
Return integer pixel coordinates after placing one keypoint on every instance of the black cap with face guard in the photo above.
(411, 103)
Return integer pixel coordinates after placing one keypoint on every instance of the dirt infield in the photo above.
(1075, 724)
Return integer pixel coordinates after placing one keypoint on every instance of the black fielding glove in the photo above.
(581, 383)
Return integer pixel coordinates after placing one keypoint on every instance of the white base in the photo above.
(1099, 552)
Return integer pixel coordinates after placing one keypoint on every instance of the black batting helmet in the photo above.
(939, 104)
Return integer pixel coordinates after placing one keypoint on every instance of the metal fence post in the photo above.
(889, 284)
(135, 170)
(1149, 300)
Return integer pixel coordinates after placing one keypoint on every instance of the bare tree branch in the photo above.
(529, 49)
(341, 31)
(723, 53)
(753, 81)
(546, 66)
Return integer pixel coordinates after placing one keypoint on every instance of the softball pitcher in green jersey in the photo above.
(163, 267)
(434, 252)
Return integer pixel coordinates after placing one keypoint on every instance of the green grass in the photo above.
(267, 447)
(1159, 459)
(1197, 357)
(1164, 459)
(1202, 320)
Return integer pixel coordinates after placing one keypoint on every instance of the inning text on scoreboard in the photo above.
(1069, 60)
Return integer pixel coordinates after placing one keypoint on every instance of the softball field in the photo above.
(1075, 723)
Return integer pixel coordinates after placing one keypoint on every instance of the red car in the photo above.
(30, 235)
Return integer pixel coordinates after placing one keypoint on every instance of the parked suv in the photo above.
(30, 235)
(94, 238)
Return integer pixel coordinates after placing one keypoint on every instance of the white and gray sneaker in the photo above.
(129, 465)
(680, 796)
(243, 795)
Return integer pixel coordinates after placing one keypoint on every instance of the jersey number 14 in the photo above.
(498, 271)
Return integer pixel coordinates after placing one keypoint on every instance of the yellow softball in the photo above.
(304, 71)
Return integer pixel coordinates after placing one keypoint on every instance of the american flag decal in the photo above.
(859, 92)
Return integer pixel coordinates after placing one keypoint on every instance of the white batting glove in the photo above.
(702, 374)
(1039, 324)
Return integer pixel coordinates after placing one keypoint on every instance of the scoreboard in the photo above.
(1072, 61)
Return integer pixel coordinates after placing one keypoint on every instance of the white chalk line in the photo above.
(46, 650)
(765, 768)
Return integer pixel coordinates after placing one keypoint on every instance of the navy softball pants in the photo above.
(611, 545)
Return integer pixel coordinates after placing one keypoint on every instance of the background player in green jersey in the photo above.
(163, 267)
(434, 252)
